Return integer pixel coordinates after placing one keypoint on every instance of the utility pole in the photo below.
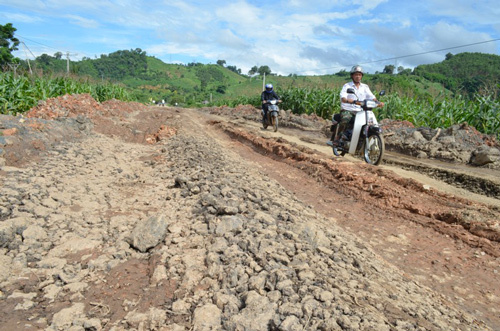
(67, 63)
(264, 82)
(27, 58)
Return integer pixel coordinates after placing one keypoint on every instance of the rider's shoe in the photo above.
(335, 143)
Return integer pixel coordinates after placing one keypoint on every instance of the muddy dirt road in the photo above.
(429, 228)
(177, 219)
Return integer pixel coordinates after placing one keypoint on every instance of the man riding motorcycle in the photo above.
(348, 106)
(266, 95)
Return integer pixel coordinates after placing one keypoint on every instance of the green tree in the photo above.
(388, 69)
(253, 70)
(343, 73)
(264, 70)
(8, 43)
(234, 69)
(221, 62)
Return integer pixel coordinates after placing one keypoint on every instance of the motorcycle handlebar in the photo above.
(363, 103)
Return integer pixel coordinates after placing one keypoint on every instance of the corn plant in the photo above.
(21, 93)
(322, 102)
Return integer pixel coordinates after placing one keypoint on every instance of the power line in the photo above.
(438, 50)
(416, 54)
(26, 47)
(68, 54)
(36, 42)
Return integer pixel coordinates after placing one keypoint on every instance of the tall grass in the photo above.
(254, 101)
(20, 93)
(481, 112)
(311, 100)
(442, 111)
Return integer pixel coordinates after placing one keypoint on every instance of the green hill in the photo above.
(465, 73)
(148, 78)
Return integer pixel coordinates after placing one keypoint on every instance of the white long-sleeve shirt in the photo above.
(362, 93)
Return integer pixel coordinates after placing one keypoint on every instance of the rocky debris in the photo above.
(23, 138)
(457, 144)
(226, 248)
(485, 155)
(149, 234)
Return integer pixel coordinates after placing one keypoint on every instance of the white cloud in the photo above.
(83, 22)
(313, 36)
(9, 17)
(484, 12)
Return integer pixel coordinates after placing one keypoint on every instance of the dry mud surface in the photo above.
(118, 216)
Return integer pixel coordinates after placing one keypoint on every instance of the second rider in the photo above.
(267, 95)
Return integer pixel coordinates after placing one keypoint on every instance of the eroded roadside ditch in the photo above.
(471, 183)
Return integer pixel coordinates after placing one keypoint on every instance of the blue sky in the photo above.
(306, 37)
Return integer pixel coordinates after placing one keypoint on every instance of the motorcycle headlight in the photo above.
(371, 104)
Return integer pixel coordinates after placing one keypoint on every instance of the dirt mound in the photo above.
(82, 104)
(72, 117)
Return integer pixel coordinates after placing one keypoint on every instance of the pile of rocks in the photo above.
(456, 144)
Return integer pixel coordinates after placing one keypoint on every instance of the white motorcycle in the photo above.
(272, 115)
(365, 138)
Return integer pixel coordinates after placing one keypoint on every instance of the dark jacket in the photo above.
(269, 95)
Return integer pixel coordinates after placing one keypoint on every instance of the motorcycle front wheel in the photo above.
(275, 123)
(374, 149)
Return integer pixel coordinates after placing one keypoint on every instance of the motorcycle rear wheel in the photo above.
(275, 123)
(374, 152)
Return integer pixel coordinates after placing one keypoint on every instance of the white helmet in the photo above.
(355, 69)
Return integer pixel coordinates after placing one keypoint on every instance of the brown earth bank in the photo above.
(118, 216)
